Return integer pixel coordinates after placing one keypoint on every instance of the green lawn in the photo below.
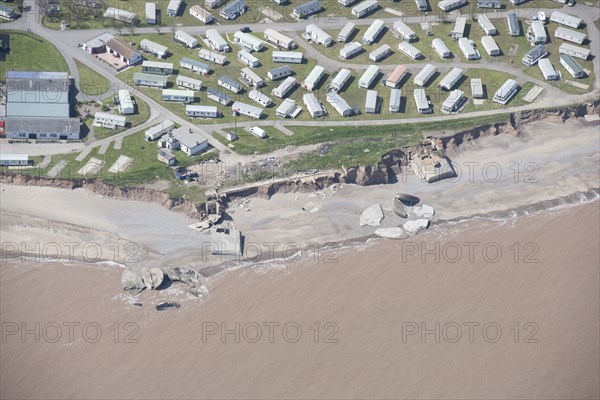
(29, 52)
(91, 82)
(141, 115)
(305, 135)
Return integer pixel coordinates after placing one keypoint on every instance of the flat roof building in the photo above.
(260, 98)
(126, 105)
(251, 78)
(176, 95)
(537, 33)
(121, 15)
(497, 4)
(459, 27)
(218, 96)
(150, 13)
(279, 72)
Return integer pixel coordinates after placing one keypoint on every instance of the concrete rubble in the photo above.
(416, 226)
(310, 207)
(154, 278)
(391, 233)
(424, 211)
(372, 215)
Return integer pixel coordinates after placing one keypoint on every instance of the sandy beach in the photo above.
(505, 306)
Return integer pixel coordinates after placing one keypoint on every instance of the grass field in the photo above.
(305, 135)
(141, 115)
(91, 82)
(23, 46)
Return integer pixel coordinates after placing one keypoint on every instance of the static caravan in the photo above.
(247, 41)
(213, 3)
(380, 53)
(218, 96)
(156, 49)
(279, 72)
(196, 111)
(212, 56)
(315, 109)
(157, 68)
(570, 35)
(574, 51)
(410, 50)
(340, 80)
(425, 75)
(513, 24)
(537, 33)
(284, 87)
(533, 55)
(490, 46)
(312, 80)
(404, 31)
(181, 96)
(373, 32)
(550, 73)
(201, 14)
(110, 121)
(451, 79)
(318, 35)
(572, 66)
(126, 104)
(365, 8)
(158, 130)
(395, 100)
(422, 101)
(468, 49)
(150, 13)
(248, 59)
(121, 15)
(186, 39)
(247, 110)
(459, 28)
(260, 98)
(449, 5)
(369, 76)
(188, 83)
(517, 2)
(566, 19)
(251, 78)
(422, 5)
(506, 91)
(193, 65)
(294, 57)
(229, 84)
(347, 32)
(453, 102)
(440, 48)
(233, 9)
(306, 9)
(477, 88)
(288, 109)
(258, 132)
(371, 102)
(350, 50)
(151, 80)
(173, 7)
(497, 4)
(395, 77)
(216, 41)
(486, 25)
(279, 39)
(347, 3)
(339, 104)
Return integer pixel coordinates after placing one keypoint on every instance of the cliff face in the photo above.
(96, 186)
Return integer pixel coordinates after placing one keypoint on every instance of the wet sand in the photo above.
(368, 293)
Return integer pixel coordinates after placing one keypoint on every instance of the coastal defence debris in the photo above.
(424, 211)
(429, 162)
(372, 215)
(391, 233)
(416, 226)
(226, 240)
(402, 199)
(310, 207)
(154, 279)
(167, 306)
